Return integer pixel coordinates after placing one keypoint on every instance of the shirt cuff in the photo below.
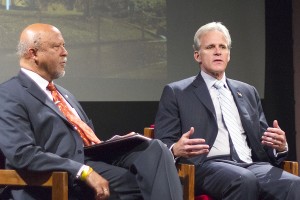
(282, 152)
(171, 147)
(80, 171)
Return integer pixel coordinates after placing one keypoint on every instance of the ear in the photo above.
(32, 52)
(197, 56)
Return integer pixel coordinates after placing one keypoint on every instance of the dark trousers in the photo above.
(147, 172)
(225, 179)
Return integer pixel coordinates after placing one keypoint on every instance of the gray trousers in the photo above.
(228, 180)
(147, 172)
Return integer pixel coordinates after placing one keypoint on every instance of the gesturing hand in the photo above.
(186, 147)
(275, 137)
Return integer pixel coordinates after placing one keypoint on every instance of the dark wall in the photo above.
(110, 118)
(279, 101)
(121, 117)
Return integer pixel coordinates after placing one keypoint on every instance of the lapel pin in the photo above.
(66, 96)
(239, 94)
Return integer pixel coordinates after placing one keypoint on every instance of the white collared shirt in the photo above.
(43, 83)
(221, 145)
(40, 81)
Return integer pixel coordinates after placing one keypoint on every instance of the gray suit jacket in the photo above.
(187, 103)
(33, 132)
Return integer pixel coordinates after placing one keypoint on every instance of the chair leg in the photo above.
(60, 186)
(186, 173)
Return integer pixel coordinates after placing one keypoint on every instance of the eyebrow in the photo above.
(214, 45)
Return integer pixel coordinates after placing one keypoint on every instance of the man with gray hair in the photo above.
(218, 124)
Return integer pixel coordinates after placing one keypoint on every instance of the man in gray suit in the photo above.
(192, 121)
(36, 136)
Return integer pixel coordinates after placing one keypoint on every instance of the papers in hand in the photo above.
(115, 146)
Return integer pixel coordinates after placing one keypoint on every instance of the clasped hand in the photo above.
(275, 137)
(99, 185)
(186, 147)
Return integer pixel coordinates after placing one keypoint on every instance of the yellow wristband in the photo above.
(85, 172)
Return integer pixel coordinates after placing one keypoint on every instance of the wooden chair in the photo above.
(57, 181)
(186, 173)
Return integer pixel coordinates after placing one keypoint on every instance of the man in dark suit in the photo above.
(37, 136)
(192, 121)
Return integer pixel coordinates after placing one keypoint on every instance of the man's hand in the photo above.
(275, 137)
(99, 184)
(186, 147)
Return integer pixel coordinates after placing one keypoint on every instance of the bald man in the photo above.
(37, 136)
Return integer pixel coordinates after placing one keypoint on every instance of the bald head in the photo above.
(32, 37)
(42, 50)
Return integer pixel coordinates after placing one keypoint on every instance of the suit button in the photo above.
(79, 151)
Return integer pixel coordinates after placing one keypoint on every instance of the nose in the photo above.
(217, 51)
(64, 51)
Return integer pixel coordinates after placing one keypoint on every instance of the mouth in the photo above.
(218, 60)
(64, 62)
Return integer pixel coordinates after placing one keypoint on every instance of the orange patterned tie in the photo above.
(86, 133)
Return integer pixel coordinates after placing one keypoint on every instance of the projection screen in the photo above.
(127, 50)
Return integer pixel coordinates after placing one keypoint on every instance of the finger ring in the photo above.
(105, 190)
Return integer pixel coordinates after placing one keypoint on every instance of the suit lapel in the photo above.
(35, 90)
(202, 94)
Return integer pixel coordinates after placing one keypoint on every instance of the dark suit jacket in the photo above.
(33, 132)
(187, 103)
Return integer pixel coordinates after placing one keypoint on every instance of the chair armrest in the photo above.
(58, 181)
(291, 167)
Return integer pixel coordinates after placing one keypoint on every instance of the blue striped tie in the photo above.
(236, 134)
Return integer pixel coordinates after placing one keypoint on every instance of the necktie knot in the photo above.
(51, 86)
(218, 84)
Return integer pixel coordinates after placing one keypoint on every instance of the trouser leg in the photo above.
(275, 183)
(223, 180)
(155, 170)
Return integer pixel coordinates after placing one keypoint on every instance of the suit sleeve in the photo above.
(18, 138)
(275, 160)
(167, 121)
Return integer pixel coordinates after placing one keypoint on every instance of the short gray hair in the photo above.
(211, 27)
(22, 48)
(24, 45)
